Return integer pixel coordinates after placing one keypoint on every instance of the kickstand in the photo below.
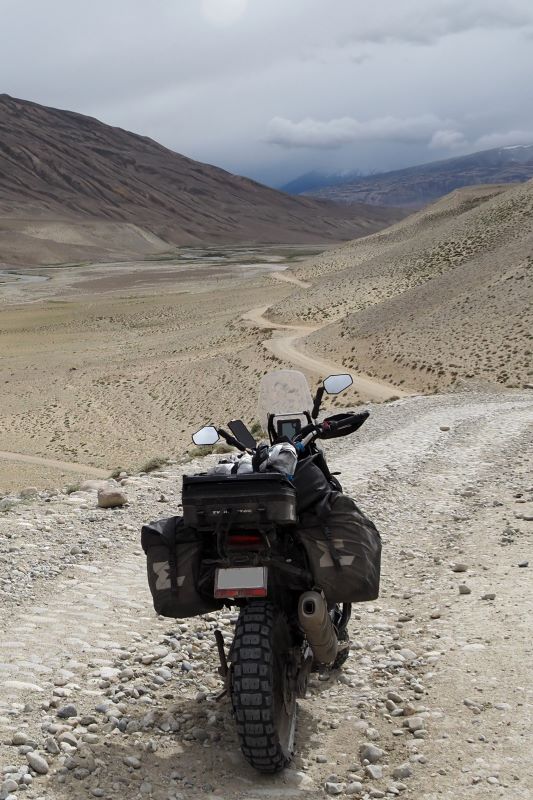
(223, 669)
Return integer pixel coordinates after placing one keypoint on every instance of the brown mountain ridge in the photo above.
(72, 187)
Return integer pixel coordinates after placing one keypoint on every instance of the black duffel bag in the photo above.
(173, 559)
(343, 548)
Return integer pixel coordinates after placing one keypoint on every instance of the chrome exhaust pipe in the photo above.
(318, 627)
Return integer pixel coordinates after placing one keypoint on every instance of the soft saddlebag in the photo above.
(173, 556)
(344, 551)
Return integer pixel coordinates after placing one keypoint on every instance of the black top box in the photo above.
(241, 500)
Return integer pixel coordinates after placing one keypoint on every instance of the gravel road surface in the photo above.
(100, 698)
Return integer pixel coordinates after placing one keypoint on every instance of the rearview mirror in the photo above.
(337, 383)
(207, 435)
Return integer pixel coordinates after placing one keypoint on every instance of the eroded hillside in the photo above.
(442, 296)
(70, 186)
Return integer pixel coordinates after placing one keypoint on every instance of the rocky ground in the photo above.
(100, 698)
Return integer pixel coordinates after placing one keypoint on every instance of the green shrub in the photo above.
(218, 449)
(256, 429)
(154, 463)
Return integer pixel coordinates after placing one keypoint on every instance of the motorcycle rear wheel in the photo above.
(263, 687)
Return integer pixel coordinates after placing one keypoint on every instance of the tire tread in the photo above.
(252, 688)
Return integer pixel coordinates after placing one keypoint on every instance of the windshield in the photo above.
(284, 392)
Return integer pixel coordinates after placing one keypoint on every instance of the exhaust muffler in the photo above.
(318, 627)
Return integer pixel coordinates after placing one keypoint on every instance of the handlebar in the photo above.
(232, 441)
(342, 424)
(329, 428)
(332, 427)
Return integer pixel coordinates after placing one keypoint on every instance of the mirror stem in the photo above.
(232, 441)
(318, 400)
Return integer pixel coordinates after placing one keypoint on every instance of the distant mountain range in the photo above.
(99, 191)
(416, 186)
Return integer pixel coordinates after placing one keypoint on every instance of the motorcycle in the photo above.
(248, 513)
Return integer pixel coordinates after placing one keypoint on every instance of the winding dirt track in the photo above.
(288, 277)
(286, 348)
(68, 466)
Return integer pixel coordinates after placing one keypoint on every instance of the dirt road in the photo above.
(288, 277)
(289, 348)
(67, 466)
(448, 481)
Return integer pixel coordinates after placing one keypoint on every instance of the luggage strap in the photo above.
(222, 527)
(173, 564)
(331, 547)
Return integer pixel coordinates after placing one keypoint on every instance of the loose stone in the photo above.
(370, 753)
(37, 762)
(67, 711)
(51, 746)
(403, 771)
(374, 771)
(334, 788)
(354, 787)
(111, 498)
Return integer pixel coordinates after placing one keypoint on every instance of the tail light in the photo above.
(245, 540)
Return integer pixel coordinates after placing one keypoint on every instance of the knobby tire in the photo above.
(262, 690)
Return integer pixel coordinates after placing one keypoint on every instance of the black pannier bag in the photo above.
(173, 555)
(344, 551)
(217, 501)
(312, 487)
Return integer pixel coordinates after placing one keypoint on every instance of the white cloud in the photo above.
(448, 139)
(335, 133)
(428, 22)
(503, 139)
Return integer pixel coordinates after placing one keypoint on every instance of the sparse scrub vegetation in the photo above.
(154, 464)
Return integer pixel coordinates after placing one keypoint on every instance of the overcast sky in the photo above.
(273, 88)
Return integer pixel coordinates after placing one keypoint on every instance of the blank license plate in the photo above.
(241, 582)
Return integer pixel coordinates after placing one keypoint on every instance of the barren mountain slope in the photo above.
(60, 169)
(416, 186)
(445, 294)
